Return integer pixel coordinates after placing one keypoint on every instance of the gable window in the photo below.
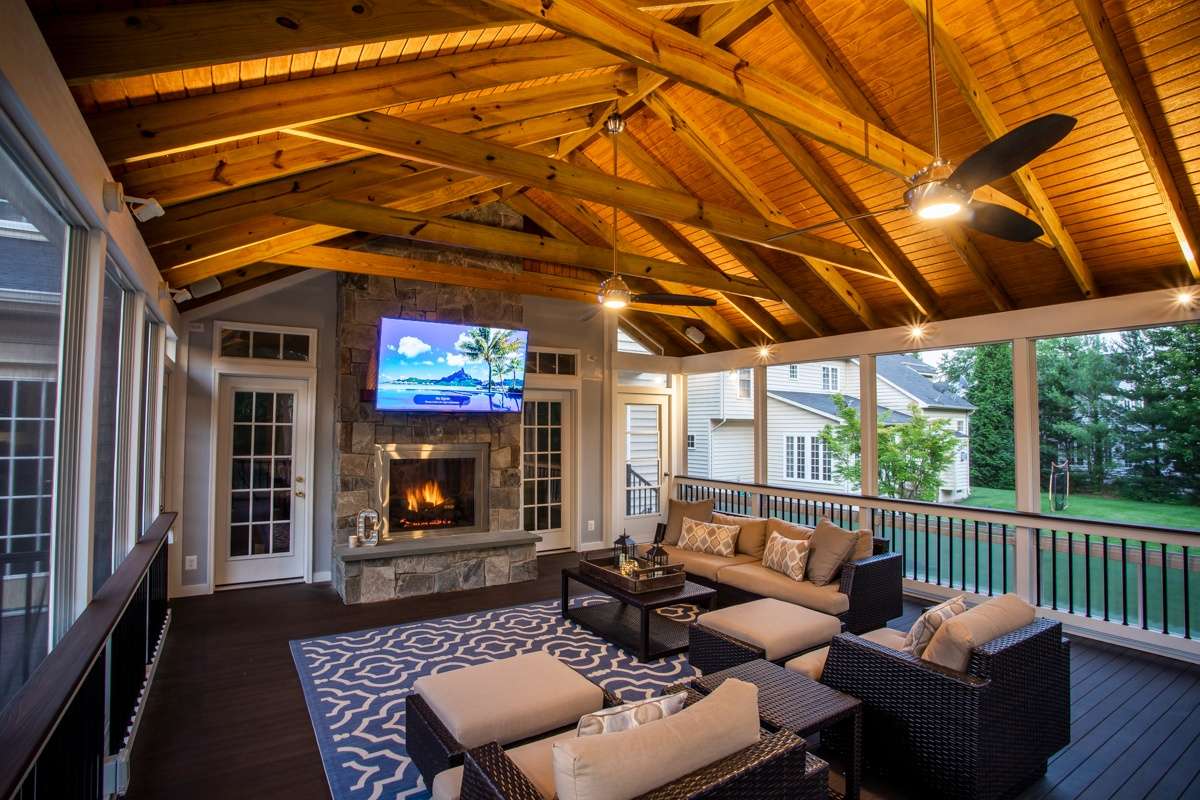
(830, 379)
(793, 372)
(821, 461)
(691, 440)
(962, 426)
(745, 378)
(793, 456)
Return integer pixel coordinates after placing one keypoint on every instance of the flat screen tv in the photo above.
(434, 366)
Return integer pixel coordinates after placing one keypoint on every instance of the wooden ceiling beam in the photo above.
(404, 139)
(828, 63)
(687, 130)
(659, 175)
(424, 228)
(976, 97)
(130, 134)
(242, 280)
(363, 262)
(658, 46)
(1099, 28)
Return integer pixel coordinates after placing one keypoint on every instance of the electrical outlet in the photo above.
(189, 562)
(591, 524)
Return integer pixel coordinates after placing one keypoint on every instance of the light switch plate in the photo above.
(189, 562)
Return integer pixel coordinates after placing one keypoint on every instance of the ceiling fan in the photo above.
(942, 191)
(614, 292)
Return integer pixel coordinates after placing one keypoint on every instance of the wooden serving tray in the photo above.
(646, 578)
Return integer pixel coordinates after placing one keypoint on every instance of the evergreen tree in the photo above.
(986, 372)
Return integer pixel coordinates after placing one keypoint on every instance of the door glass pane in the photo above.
(543, 465)
(643, 464)
(295, 347)
(107, 391)
(269, 474)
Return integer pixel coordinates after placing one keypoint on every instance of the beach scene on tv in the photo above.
(431, 366)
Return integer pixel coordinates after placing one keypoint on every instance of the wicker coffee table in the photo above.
(630, 621)
(790, 701)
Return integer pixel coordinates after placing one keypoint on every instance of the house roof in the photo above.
(823, 404)
(901, 371)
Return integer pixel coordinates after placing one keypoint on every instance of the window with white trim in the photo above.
(745, 383)
(831, 379)
(820, 461)
(793, 456)
(793, 372)
(691, 441)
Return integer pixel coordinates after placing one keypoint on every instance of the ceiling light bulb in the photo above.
(917, 331)
(932, 197)
(764, 352)
(939, 210)
(1185, 298)
(614, 293)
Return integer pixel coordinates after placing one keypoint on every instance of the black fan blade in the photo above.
(1002, 222)
(664, 299)
(1011, 151)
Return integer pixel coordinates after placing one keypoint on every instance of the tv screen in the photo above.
(434, 366)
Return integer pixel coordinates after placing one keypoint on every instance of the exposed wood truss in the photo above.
(758, 135)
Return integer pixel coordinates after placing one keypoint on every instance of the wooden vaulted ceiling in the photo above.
(270, 131)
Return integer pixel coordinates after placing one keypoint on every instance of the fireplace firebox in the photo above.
(423, 490)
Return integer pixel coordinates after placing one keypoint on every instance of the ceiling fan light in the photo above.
(614, 293)
(935, 200)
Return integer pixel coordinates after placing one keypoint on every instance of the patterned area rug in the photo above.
(355, 683)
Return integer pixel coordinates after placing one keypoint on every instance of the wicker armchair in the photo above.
(984, 733)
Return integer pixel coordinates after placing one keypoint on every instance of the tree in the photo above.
(1077, 409)
(986, 372)
(913, 453)
(491, 346)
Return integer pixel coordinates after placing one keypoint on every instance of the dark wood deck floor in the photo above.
(226, 717)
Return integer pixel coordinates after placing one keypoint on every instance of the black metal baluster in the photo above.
(1037, 562)
(1004, 558)
(1071, 570)
(1087, 574)
(976, 526)
(1104, 567)
(939, 549)
(1145, 580)
(1187, 598)
(1124, 581)
(1054, 569)
(991, 546)
(1163, 546)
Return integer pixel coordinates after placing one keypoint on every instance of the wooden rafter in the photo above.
(129, 134)
(1099, 28)
(650, 43)
(659, 175)
(242, 280)
(423, 228)
(976, 97)
(829, 65)
(404, 139)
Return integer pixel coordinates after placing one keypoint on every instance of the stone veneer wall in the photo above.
(362, 301)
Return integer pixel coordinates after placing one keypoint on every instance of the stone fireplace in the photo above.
(423, 551)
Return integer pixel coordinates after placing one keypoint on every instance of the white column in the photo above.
(869, 419)
(1027, 457)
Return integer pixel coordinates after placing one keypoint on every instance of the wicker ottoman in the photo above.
(769, 629)
(507, 701)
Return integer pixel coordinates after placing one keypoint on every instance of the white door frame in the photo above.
(222, 373)
(570, 450)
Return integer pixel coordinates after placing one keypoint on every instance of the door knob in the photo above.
(299, 494)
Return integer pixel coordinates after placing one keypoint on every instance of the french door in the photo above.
(263, 515)
(643, 464)
(547, 479)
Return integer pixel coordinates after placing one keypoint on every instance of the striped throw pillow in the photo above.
(708, 537)
(789, 556)
(927, 624)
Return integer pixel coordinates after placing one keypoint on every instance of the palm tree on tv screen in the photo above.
(492, 347)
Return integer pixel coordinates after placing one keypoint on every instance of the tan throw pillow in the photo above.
(633, 762)
(951, 646)
(753, 535)
(788, 556)
(788, 530)
(701, 510)
(927, 624)
(628, 716)
(708, 537)
(830, 547)
(864, 546)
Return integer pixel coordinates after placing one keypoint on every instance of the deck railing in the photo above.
(641, 494)
(81, 704)
(1132, 584)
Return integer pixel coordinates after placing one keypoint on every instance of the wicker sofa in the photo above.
(778, 766)
(984, 733)
(867, 594)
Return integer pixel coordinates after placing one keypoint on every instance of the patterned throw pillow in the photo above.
(918, 638)
(630, 715)
(708, 537)
(789, 556)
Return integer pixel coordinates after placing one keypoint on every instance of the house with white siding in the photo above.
(800, 404)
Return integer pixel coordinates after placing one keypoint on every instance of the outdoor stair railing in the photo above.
(641, 494)
(1133, 585)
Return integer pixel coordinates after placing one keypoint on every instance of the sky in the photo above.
(410, 348)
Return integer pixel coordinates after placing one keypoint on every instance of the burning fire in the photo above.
(427, 495)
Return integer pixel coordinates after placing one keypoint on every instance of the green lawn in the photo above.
(1112, 509)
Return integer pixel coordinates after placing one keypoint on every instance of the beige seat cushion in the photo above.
(830, 548)
(758, 579)
(753, 536)
(535, 759)
(812, 663)
(622, 765)
(700, 510)
(504, 701)
(789, 530)
(779, 628)
(705, 565)
(951, 646)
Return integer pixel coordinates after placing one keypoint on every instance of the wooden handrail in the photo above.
(32, 715)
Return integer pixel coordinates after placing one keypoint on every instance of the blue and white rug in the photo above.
(355, 683)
